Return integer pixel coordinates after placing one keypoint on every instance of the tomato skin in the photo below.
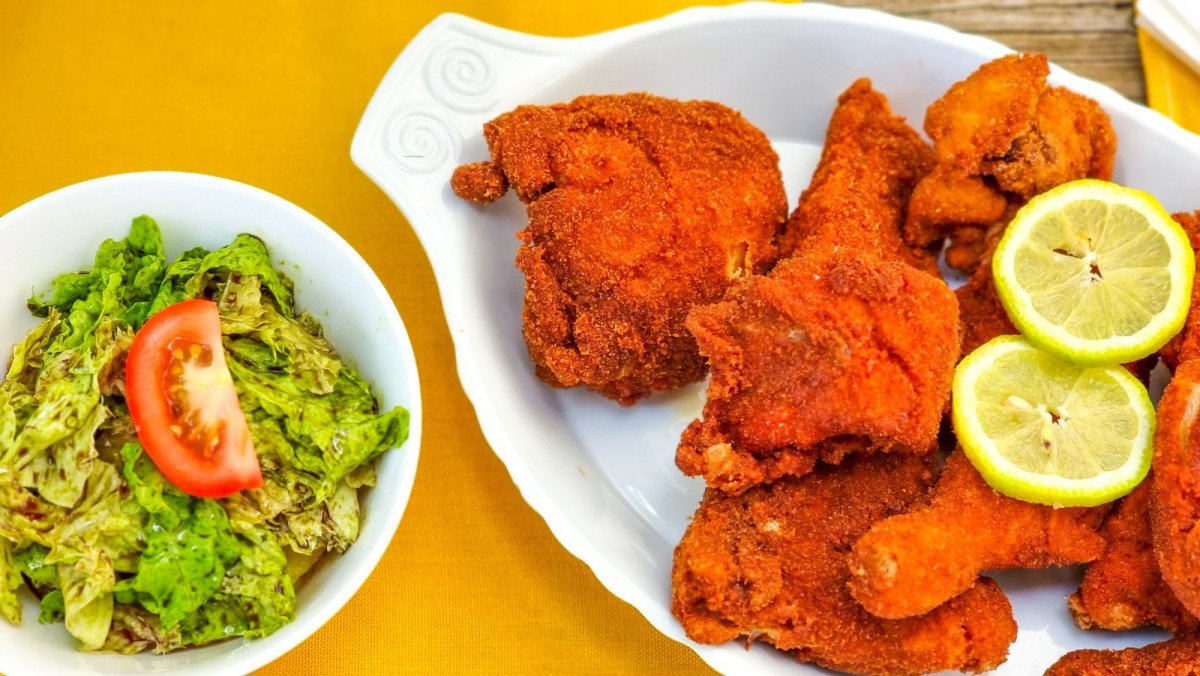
(163, 391)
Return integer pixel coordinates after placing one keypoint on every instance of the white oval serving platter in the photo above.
(603, 476)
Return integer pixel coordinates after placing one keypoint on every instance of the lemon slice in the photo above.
(1044, 430)
(1095, 273)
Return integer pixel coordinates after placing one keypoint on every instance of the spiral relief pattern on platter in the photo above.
(462, 76)
(419, 142)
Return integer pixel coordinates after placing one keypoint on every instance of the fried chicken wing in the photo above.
(1001, 136)
(1179, 656)
(1123, 589)
(978, 118)
(770, 565)
(1175, 501)
(912, 563)
(639, 207)
(871, 162)
(824, 355)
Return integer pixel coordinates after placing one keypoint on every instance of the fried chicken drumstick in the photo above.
(639, 207)
(1123, 589)
(770, 565)
(843, 346)
(911, 563)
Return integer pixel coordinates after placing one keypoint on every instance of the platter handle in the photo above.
(427, 115)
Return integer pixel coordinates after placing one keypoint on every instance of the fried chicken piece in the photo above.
(1071, 137)
(1179, 656)
(640, 207)
(824, 355)
(1001, 136)
(1005, 122)
(1186, 344)
(979, 118)
(947, 197)
(982, 314)
(871, 162)
(912, 563)
(770, 565)
(1175, 491)
(1123, 588)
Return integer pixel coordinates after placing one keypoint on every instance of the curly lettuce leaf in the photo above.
(189, 545)
(125, 275)
(198, 273)
(256, 599)
(86, 586)
(52, 607)
(31, 562)
(135, 629)
(25, 517)
(10, 582)
(264, 339)
(29, 354)
(326, 436)
(54, 447)
(88, 545)
(104, 521)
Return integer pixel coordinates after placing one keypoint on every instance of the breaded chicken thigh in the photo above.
(640, 208)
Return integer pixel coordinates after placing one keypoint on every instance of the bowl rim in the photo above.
(257, 653)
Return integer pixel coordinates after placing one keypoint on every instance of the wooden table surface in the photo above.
(1092, 38)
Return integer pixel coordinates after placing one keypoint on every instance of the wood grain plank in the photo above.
(1093, 38)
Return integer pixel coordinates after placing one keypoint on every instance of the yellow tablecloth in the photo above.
(269, 92)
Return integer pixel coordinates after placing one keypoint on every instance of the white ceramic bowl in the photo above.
(60, 231)
(603, 476)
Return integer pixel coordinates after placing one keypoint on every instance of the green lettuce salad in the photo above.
(125, 560)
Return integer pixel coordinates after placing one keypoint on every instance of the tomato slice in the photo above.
(184, 406)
